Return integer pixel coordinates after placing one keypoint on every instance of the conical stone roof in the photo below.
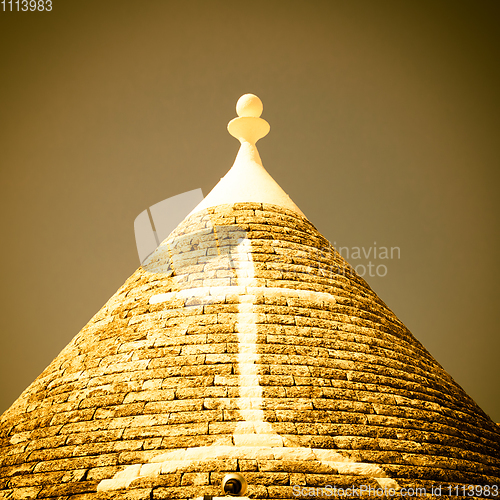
(245, 343)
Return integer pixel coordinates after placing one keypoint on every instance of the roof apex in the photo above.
(248, 180)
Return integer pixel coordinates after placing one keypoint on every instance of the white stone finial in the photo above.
(249, 105)
(248, 127)
(248, 180)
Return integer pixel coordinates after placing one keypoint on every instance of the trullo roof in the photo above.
(244, 344)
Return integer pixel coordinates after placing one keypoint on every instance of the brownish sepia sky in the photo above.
(384, 128)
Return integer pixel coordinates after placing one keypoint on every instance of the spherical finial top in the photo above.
(248, 127)
(249, 105)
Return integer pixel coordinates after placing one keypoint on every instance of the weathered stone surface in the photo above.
(278, 362)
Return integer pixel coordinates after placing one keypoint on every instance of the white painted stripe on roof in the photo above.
(244, 291)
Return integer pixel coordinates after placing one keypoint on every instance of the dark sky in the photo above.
(385, 126)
